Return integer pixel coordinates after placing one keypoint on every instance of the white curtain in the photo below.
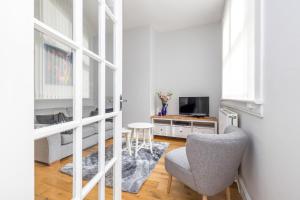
(238, 50)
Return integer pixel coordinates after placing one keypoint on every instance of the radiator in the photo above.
(227, 118)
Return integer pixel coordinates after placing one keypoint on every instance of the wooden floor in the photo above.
(50, 184)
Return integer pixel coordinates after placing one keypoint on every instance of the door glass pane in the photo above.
(90, 138)
(57, 14)
(90, 87)
(109, 40)
(53, 178)
(53, 81)
(109, 183)
(109, 89)
(91, 147)
(109, 154)
(93, 194)
(91, 25)
(110, 4)
(109, 136)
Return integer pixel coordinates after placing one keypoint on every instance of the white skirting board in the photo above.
(243, 190)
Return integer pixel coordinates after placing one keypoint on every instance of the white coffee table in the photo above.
(144, 128)
(127, 134)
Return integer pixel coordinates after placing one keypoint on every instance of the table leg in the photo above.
(150, 139)
(136, 142)
(129, 143)
(144, 140)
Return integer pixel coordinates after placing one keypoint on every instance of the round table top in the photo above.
(125, 130)
(140, 125)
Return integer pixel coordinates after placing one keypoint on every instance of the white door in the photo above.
(78, 52)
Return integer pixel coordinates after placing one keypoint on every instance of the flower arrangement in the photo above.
(164, 100)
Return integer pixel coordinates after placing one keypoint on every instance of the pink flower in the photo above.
(164, 97)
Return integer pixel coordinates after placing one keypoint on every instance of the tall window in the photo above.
(239, 51)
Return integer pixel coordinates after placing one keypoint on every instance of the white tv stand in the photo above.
(181, 126)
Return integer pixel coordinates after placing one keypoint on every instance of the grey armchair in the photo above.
(209, 163)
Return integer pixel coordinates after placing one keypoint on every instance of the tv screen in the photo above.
(196, 106)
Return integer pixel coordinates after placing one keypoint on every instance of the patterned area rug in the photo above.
(135, 171)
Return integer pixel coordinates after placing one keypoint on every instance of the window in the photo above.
(241, 66)
(238, 50)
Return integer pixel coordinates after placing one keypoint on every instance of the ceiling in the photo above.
(166, 15)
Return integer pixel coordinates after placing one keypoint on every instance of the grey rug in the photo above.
(135, 171)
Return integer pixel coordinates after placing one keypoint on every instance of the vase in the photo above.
(164, 111)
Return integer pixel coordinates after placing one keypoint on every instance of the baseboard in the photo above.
(243, 190)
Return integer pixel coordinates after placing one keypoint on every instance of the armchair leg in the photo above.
(169, 184)
(228, 195)
(204, 197)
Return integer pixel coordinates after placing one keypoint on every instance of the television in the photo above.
(194, 106)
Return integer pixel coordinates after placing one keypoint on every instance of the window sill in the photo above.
(254, 108)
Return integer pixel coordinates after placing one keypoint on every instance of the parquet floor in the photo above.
(50, 184)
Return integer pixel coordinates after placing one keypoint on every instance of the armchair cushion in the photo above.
(209, 163)
(215, 159)
(177, 165)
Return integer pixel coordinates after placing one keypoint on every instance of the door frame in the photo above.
(78, 122)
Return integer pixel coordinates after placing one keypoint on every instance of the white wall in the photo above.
(137, 74)
(271, 169)
(16, 102)
(188, 63)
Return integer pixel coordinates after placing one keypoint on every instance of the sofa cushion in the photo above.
(86, 111)
(96, 111)
(108, 125)
(87, 131)
(52, 118)
(177, 165)
(45, 119)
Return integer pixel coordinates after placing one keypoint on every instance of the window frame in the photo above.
(253, 107)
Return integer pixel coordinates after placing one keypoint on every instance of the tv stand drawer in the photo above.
(181, 131)
(203, 130)
(161, 129)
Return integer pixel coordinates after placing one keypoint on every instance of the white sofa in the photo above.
(55, 147)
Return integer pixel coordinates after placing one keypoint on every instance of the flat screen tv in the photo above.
(194, 106)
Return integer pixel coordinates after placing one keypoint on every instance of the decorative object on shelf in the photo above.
(164, 100)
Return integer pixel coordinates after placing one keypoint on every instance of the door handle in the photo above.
(122, 101)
